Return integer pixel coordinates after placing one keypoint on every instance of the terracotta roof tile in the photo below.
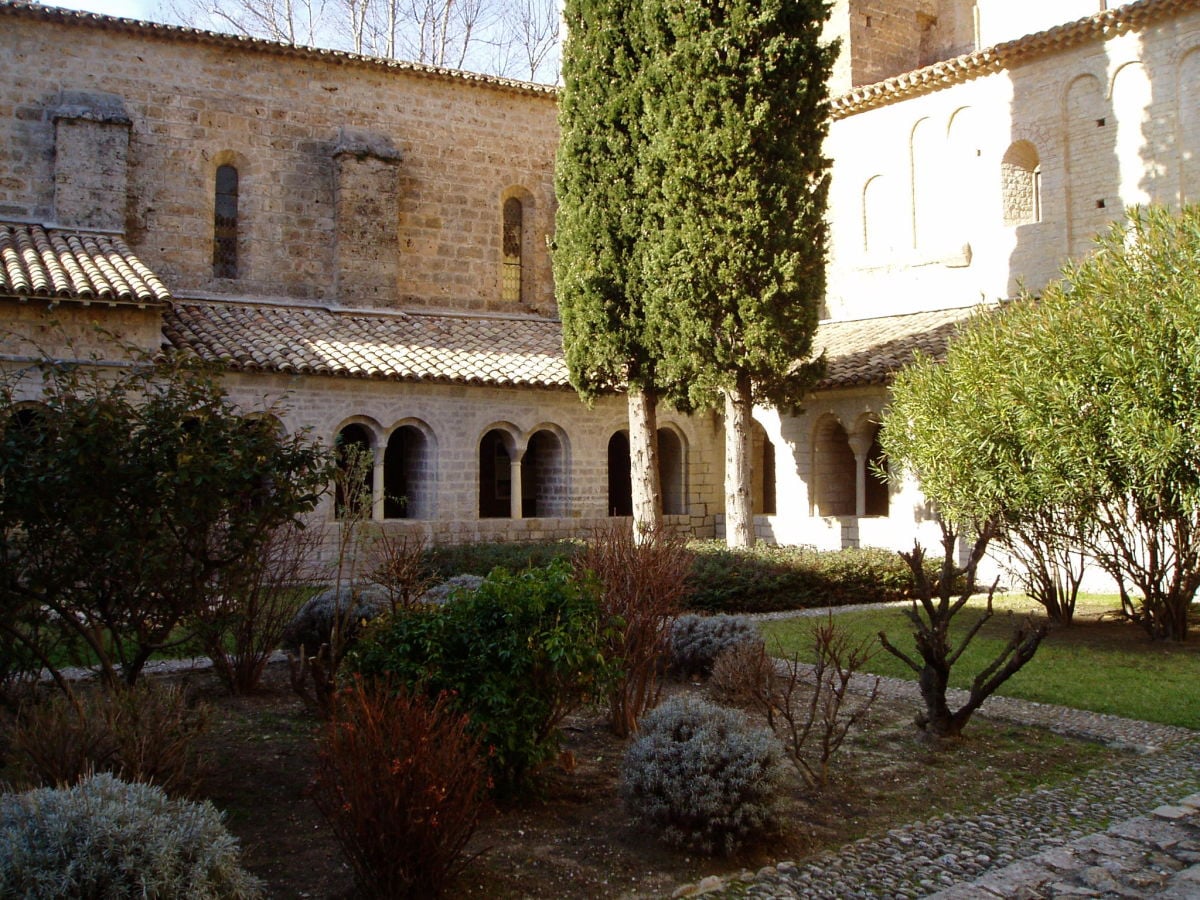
(398, 346)
(1006, 55)
(864, 352)
(56, 264)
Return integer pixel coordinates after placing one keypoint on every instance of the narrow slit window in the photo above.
(225, 224)
(514, 221)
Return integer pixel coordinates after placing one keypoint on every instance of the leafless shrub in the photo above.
(403, 568)
(145, 732)
(808, 706)
(643, 583)
(255, 602)
(402, 783)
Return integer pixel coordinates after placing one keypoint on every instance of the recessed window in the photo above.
(514, 223)
(225, 224)
(1021, 184)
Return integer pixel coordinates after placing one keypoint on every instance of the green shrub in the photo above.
(697, 641)
(702, 778)
(106, 838)
(517, 654)
(482, 558)
(767, 578)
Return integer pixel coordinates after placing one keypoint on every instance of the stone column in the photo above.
(516, 490)
(860, 444)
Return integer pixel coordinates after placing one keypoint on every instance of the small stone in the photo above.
(1100, 879)
(709, 883)
(1174, 813)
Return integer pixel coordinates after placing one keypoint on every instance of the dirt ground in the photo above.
(576, 840)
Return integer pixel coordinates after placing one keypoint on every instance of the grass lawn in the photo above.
(1103, 665)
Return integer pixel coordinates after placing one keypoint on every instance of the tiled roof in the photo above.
(1006, 55)
(870, 351)
(397, 346)
(262, 45)
(55, 264)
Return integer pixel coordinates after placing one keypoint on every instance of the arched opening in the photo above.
(762, 472)
(1020, 184)
(671, 469)
(407, 475)
(544, 477)
(513, 239)
(834, 470)
(876, 501)
(225, 223)
(355, 488)
(620, 481)
(495, 476)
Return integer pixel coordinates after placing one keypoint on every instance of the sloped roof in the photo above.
(261, 45)
(60, 264)
(1007, 55)
(488, 350)
(511, 351)
(866, 352)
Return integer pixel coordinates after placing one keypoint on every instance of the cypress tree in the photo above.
(599, 226)
(736, 186)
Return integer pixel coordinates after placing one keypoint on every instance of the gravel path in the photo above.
(1045, 843)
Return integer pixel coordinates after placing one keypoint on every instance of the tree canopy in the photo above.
(1082, 407)
(123, 495)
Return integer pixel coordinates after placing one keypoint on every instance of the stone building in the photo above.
(369, 240)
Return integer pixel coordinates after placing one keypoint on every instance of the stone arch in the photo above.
(925, 152)
(1090, 164)
(1138, 137)
(834, 469)
(877, 237)
(762, 471)
(409, 471)
(1189, 125)
(876, 490)
(620, 481)
(964, 177)
(545, 471)
(355, 443)
(672, 470)
(1021, 184)
(498, 447)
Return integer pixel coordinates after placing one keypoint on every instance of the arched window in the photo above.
(876, 502)
(671, 469)
(514, 224)
(225, 224)
(835, 471)
(356, 476)
(407, 475)
(495, 476)
(762, 471)
(1020, 184)
(620, 481)
(544, 477)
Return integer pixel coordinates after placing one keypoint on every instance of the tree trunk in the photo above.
(739, 505)
(643, 463)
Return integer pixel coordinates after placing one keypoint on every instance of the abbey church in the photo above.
(368, 240)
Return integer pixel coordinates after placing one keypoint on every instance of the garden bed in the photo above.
(575, 839)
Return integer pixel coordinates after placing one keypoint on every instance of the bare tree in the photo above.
(511, 38)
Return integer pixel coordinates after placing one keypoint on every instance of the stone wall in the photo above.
(460, 146)
(920, 217)
(454, 418)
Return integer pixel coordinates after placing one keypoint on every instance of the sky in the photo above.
(131, 9)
